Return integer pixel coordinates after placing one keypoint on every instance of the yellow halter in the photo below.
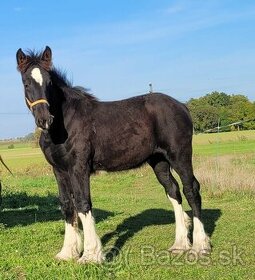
(32, 104)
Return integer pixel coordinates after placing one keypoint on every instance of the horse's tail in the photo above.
(2, 161)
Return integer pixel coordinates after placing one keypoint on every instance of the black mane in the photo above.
(59, 77)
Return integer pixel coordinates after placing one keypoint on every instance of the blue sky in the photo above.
(116, 48)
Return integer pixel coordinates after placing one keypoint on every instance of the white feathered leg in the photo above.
(182, 221)
(201, 242)
(72, 246)
(92, 244)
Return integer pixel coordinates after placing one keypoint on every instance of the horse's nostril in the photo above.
(50, 121)
(43, 123)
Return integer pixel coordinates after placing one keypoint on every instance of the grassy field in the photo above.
(134, 218)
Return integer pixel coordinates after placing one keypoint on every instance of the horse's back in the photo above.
(127, 132)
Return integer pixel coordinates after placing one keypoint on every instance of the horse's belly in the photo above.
(123, 143)
(121, 157)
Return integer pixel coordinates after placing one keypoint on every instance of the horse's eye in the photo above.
(27, 83)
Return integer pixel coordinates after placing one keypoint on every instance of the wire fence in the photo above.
(219, 128)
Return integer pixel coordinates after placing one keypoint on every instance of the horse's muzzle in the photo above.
(44, 124)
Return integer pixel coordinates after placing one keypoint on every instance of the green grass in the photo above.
(134, 220)
(5, 145)
(22, 155)
(224, 143)
(235, 136)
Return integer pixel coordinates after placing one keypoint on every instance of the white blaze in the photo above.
(37, 76)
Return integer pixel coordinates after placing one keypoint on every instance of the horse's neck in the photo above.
(58, 108)
(59, 99)
(65, 102)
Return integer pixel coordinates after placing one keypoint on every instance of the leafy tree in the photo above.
(242, 109)
(218, 99)
(208, 110)
(206, 117)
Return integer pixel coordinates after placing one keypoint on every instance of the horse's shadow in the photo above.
(151, 217)
(20, 209)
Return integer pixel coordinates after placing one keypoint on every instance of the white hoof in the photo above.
(72, 250)
(68, 253)
(91, 258)
(202, 247)
(180, 246)
(176, 251)
(65, 256)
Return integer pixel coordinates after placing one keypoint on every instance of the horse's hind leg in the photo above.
(182, 164)
(162, 170)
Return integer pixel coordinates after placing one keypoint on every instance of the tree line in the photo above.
(230, 112)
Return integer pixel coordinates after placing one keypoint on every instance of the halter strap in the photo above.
(32, 104)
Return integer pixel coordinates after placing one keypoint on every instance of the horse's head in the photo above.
(34, 69)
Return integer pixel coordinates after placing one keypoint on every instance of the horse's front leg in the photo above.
(72, 246)
(92, 245)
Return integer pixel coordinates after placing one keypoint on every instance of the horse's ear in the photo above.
(47, 58)
(21, 60)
